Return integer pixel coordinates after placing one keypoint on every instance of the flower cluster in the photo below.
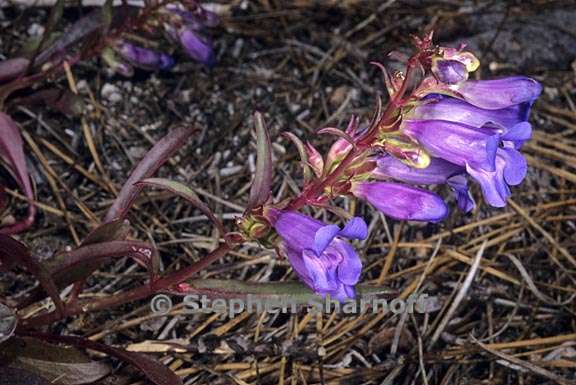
(439, 128)
(181, 24)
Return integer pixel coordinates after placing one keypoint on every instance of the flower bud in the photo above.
(315, 159)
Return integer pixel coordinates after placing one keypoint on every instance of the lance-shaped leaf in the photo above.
(14, 253)
(339, 133)
(390, 87)
(12, 68)
(302, 152)
(116, 230)
(12, 154)
(187, 193)
(107, 10)
(294, 291)
(142, 252)
(57, 364)
(82, 31)
(262, 184)
(153, 370)
(151, 162)
(76, 265)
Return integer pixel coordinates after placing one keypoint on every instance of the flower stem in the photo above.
(136, 294)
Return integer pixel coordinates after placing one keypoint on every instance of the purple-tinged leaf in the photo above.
(338, 133)
(13, 253)
(302, 152)
(8, 322)
(16, 376)
(113, 231)
(187, 193)
(12, 154)
(70, 263)
(153, 370)
(57, 364)
(151, 162)
(12, 68)
(116, 230)
(82, 30)
(387, 79)
(262, 184)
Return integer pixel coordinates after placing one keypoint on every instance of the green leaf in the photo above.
(262, 184)
(294, 291)
(107, 16)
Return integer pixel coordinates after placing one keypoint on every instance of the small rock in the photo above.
(111, 93)
(36, 30)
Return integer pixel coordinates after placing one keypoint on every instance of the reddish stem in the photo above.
(315, 190)
(136, 294)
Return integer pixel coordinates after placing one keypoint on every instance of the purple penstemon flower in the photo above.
(318, 252)
(479, 127)
(455, 142)
(401, 201)
(143, 57)
(197, 47)
(189, 33)
(438, 172)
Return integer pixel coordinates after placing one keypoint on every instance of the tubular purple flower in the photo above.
(438, 172)
(401, 201)
(499, 93)
(457, 143)
(318, 254)
(196, 47)
(144, 58)
(439, 107)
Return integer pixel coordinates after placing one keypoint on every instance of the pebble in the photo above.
(111, 93)
(36, 30)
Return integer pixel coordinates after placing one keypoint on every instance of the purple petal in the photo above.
(437, 172)
(456, 143)
(323, 275)
(402, 202)
(449, 71)
(343, 293)
(355, 229)
(297, 230)
(297, 263)
(323, 237)
(439, 107)
(144, 58)
(515, 167)
(196, 47)
(500, 93)
(464, 199)
(519, 134)
(350, 268)
(494, 188)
